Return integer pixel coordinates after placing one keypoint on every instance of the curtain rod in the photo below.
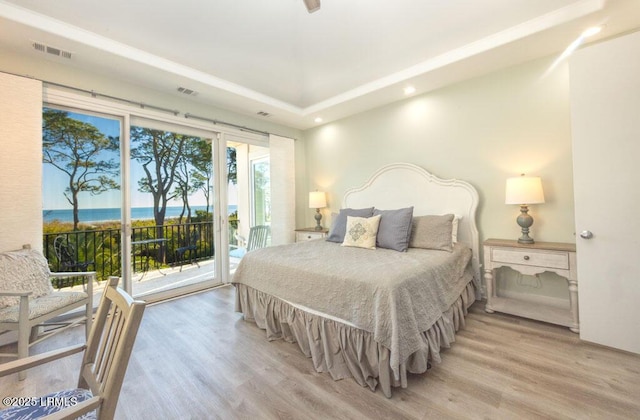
(157, 108)
(216, 122)
(95, 94)
(142, 105)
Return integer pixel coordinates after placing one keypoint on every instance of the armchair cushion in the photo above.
(49, 404)
(42, 305)
(25, 270)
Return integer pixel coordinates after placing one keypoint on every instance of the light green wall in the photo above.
(482, 131)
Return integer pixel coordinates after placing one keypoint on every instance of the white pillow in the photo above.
(361, 232)
(454, 228)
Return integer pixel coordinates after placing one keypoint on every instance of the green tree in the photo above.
(187, 182)
(75, 148)
(159, 153)
(232, 169)
(202, 172)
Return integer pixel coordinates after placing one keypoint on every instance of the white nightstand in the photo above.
(307, 234)
(559, 258)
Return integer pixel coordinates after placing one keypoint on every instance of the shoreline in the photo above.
(95, 216)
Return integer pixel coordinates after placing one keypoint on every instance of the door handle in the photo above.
(586, 234)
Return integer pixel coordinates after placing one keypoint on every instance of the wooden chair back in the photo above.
(109, 346)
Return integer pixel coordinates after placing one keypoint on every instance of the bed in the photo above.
(373, 315)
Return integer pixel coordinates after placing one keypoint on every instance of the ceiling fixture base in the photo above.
(312, 5)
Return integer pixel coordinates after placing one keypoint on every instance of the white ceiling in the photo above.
(273, 56)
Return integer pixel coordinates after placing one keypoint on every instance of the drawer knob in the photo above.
(526, 258)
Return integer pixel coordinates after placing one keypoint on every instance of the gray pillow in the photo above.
(395, 228)
(432, 232)
(339, 224)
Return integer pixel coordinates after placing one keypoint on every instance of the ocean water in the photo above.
(106, 214)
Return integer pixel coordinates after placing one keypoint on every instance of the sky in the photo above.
(54, 180)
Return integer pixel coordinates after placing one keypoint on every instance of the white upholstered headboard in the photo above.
(403, 184)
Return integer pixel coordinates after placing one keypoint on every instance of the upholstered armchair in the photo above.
(28, 301)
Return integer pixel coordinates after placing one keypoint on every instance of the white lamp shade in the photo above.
(317, 200)
(524, 190)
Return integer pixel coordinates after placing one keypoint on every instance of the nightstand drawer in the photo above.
(308, 236)
(534, 258)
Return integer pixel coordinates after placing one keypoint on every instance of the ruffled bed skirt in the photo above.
(345, 351)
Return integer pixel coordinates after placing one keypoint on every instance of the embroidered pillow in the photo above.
(394, 230)
(432, 232)
(361, 232)
(339, 223)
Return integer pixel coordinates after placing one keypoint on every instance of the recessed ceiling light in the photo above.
(318, 120)
(592, 31)
(409, 90)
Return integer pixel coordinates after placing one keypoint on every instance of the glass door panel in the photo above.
(81, 194)
(261, 191)
(172, 243)
(249, 193)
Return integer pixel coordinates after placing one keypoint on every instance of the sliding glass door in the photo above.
(153, 200)
(172, 205)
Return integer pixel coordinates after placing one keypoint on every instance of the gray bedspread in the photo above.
(393, 295)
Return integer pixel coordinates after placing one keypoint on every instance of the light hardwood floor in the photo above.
(197, 359)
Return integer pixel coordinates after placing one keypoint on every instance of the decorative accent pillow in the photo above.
(361, 232)
(395, 228)
(22, 271)
(432, 232)
(339, 224)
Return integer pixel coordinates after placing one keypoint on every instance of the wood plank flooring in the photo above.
(197, 359)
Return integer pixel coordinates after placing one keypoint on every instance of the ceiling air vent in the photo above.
(264, 114)
(186, 91)
(38, 46)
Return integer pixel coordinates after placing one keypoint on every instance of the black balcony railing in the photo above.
(153, 246)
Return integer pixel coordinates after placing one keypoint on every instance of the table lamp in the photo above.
(524, 190)
(317, 200)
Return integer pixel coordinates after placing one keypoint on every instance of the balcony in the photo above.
(162, 257)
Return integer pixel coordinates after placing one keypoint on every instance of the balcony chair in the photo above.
(190, 246)
(258, 236)
(29, 303)
(68, 259)
(105, 361)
